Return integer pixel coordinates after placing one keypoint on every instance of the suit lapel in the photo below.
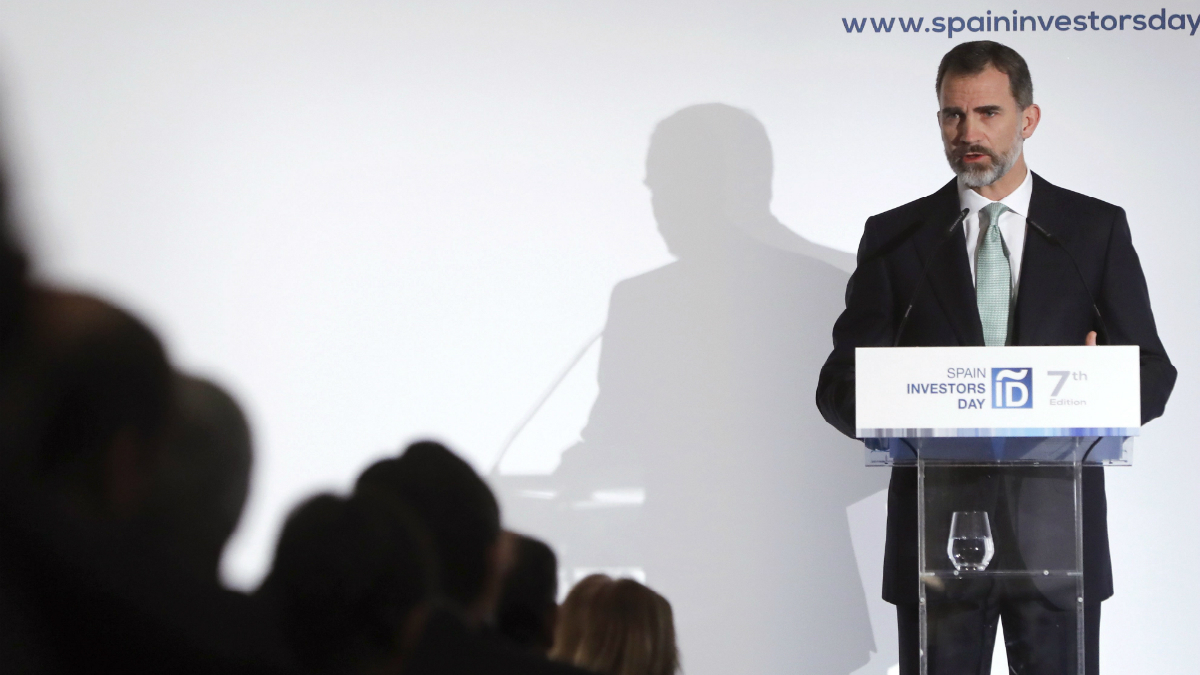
(1042, 269)
(949, 269)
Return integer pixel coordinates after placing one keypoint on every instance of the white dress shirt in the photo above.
(1012, 223)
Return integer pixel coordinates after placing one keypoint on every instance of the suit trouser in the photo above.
(1033, 631)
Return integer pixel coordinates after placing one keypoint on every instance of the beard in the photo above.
(976, 176)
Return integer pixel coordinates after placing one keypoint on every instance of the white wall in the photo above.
(378, 221)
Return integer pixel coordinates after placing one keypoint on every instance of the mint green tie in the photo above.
(993, 278)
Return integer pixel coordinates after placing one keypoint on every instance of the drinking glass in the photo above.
(970, 547)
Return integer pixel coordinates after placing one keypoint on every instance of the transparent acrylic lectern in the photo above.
(999, 530)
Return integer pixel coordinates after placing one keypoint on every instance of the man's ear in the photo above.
(1030, 117)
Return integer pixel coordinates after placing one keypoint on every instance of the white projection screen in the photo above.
(382, 221)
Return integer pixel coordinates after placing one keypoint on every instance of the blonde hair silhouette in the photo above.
(616, 627)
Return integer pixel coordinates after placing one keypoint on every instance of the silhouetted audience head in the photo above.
(203, 476)
(570, 624)
(87, 404)
(87, 408)
(616, 627)
(14, 297)
(13, 268)
(350, 584)
(529, 598)
(460, 514)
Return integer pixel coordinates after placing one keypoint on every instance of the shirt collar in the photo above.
(1018, 201)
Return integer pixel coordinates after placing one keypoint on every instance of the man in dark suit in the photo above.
(997, 280)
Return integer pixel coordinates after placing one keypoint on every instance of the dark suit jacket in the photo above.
(1052, 308)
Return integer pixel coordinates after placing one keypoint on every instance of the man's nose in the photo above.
(969, 130)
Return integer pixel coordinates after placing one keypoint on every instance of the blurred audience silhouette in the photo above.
(529, 599)
(87, 408)
(351, 584)
(13, 269)
(460, 514)
(203, 476)
(616, 627)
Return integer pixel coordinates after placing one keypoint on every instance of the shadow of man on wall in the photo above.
(705, 416)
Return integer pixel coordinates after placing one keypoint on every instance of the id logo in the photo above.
(1012, 387)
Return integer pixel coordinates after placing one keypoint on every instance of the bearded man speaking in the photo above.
(1004, 278)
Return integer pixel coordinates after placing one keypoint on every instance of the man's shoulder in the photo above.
(903, 213)
(883, 226)
(1053, 199)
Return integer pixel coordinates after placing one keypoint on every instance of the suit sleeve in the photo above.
(867, 321)
(1125, 303)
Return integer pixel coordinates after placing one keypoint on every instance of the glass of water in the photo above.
(970, 547)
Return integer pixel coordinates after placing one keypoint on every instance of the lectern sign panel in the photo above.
(997, 391)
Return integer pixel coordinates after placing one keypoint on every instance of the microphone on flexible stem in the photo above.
(925, 272)
(1049, 236)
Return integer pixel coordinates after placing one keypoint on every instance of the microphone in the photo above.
(1049, 236)
(925, 272)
